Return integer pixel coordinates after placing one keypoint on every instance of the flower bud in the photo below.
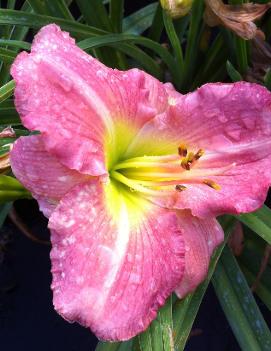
(176, 8)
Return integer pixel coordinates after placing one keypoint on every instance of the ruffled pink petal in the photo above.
(201, 237)
(77, 102)
(110, 273)
(41, 173)
(232, 123)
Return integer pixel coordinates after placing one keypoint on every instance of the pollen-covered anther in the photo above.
(212, 184)
(187, 161)
(182, 150)
(198, 154)
(180, 187)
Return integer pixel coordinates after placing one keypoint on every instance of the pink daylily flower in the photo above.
(131, 175)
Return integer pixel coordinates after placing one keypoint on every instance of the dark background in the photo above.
(27, 318)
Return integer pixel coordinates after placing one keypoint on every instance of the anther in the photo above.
(198, 154)
(212, 184)
(180, 187)
(182, 150)
(185, 164)
(187, 161)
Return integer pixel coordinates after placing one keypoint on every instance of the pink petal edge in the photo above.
(201, 237)
(41, 173)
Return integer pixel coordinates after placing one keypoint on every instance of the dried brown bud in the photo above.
(238, 18)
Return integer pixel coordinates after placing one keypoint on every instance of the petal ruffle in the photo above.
(113, 263)
(232, 123)
(201, 237)
(41, 173)
(75, 101)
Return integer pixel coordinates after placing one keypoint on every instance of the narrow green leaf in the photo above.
(239, 305)
(108, 346)
(39, 6)
(233, 73)
(263, 290)
(192, 42)
(157, 26)
(115, 346)
(259, 221)
(59, 8)
(214, 57)
(11, 189)
(241, 53)
(16, 43)
(37, 21)
(116, 14)
(145, 341)
(6, 55)
(166, 323)
(8, 116)
(146, 61)
(159, 336)
(6, 90)
(176, 45)
(240, 46)
(251, 261)
(95, 13)
(139, 21)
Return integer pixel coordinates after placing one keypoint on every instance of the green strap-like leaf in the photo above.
(251, 261)
(37, 21)
(139, 21)
(259, 221)
(263, 289)
(240, 306)
(7, 55)
(116, 14)
(233, 73)
(177, 49)
(157, 25)
(95, 13)
(159, 336)
(6, 90)
(11, 189)
(16, 43)
(241, 46)
(59, 8)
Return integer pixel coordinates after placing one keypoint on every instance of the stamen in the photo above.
(187, 161)
(180, 187)
(212, 184)
(198, 154)
(136, 187)
(182, 150)
(148, 161)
